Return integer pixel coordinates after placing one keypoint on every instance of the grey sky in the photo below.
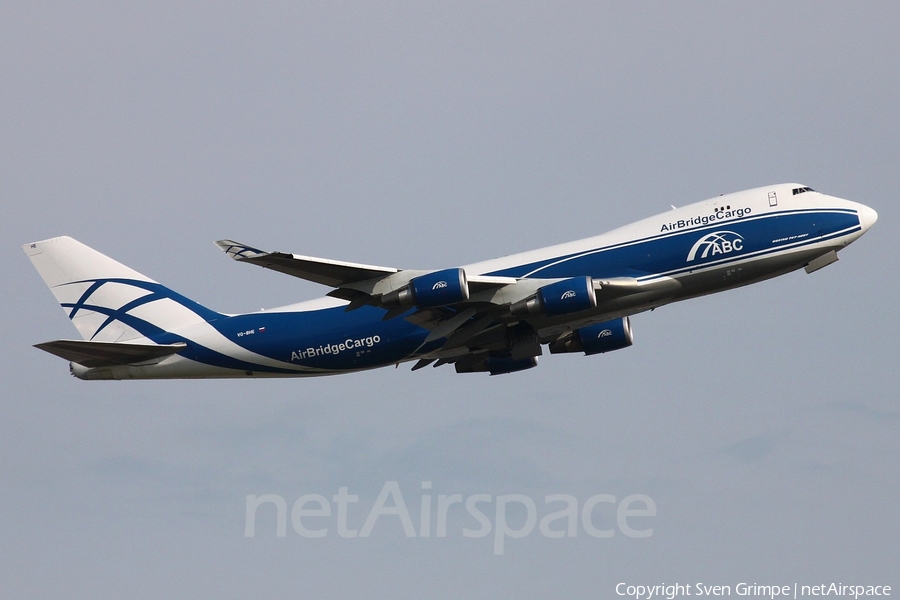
(764, 422)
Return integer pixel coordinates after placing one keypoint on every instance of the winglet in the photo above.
(239, 251)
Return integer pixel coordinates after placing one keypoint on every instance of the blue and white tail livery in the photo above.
(494, 316)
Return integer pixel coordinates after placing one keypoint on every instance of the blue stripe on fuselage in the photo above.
(668, 252)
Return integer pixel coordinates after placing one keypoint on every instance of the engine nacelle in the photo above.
(498, 365)
(560, 298)
(433, 289)
(596, 339)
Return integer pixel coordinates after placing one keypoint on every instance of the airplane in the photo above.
(493, 316)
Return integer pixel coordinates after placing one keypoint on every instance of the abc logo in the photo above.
(716, 243)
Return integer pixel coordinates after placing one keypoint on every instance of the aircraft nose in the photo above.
(867, 216)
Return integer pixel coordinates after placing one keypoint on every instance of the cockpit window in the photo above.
(802, 190)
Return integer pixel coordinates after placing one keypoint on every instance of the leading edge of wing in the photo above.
(337, 273)
(333, 273)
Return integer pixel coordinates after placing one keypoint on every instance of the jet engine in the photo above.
(433, 289)
(560, 298)
(596, 339)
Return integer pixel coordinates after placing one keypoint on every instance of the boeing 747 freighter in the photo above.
(494, 316)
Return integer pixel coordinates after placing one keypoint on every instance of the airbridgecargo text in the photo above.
(795, 590)
(721, 215)
(326, 349)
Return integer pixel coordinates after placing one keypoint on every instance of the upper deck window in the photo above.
(803, 189)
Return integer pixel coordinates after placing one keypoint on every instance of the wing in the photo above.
(349, 279)
(333, 273)
(108, 354)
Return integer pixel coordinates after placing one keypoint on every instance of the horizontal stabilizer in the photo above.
(108, 354)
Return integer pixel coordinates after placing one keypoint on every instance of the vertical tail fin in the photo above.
(107, 301)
